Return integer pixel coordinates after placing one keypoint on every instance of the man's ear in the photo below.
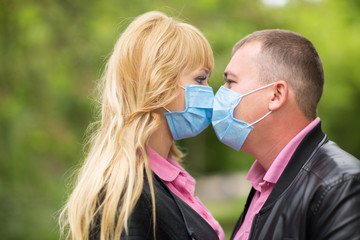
(280, 95)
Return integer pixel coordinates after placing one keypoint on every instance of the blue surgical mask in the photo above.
(229, 130)
(197, 115)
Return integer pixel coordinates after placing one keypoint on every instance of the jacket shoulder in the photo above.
(334, 212)
(331, 163)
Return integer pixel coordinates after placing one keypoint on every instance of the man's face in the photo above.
(242, 76)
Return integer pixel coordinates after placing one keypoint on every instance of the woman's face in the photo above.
(198, 76)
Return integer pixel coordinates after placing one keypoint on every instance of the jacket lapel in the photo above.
(243, 214)
(313, 140)
(197, 226)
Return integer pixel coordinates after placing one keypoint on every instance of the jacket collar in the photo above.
(312, 141)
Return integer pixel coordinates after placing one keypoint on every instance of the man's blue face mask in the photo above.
(197, 115)
(229, 130)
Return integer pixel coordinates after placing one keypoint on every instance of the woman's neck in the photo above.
(161, 139)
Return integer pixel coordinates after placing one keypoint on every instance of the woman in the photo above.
(155, 91)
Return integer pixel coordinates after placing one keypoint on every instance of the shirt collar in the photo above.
(257, 173)
(162, 167)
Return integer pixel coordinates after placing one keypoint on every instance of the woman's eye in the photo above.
(200, 79)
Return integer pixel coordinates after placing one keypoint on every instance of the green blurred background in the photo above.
(53, 52)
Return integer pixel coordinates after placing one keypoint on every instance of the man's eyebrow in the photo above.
(227, 73)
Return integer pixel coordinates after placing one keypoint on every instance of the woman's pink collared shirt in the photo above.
(182, 184)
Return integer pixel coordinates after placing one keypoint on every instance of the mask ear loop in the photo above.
(258, 89)
(266, 113)
(168, 109)
(260, 119)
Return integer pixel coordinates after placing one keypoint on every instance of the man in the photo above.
(304, 186)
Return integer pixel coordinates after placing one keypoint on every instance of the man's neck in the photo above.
(266, 148)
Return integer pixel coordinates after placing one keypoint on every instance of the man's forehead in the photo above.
(245, 55)
(248, 49)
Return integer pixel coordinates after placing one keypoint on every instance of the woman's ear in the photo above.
(280, 95)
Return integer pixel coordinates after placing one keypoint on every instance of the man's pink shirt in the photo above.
(182, 184)
(264, 181)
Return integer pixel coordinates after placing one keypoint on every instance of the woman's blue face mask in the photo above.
(197, 115)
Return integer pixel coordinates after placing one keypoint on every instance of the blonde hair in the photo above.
(141, 76)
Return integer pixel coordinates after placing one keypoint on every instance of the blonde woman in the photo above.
(155, 91)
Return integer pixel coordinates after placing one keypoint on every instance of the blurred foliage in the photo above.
(52, 53)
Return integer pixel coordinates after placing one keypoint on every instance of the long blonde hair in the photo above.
(141, 76)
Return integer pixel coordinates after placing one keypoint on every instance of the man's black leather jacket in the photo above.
(316, 197)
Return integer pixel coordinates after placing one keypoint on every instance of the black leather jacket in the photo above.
(175, 220)
(316, 197)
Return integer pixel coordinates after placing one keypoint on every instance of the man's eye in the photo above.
(200, 79)
(228, 81)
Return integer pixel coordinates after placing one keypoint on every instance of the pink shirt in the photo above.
(264, 181)
(182, 185)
